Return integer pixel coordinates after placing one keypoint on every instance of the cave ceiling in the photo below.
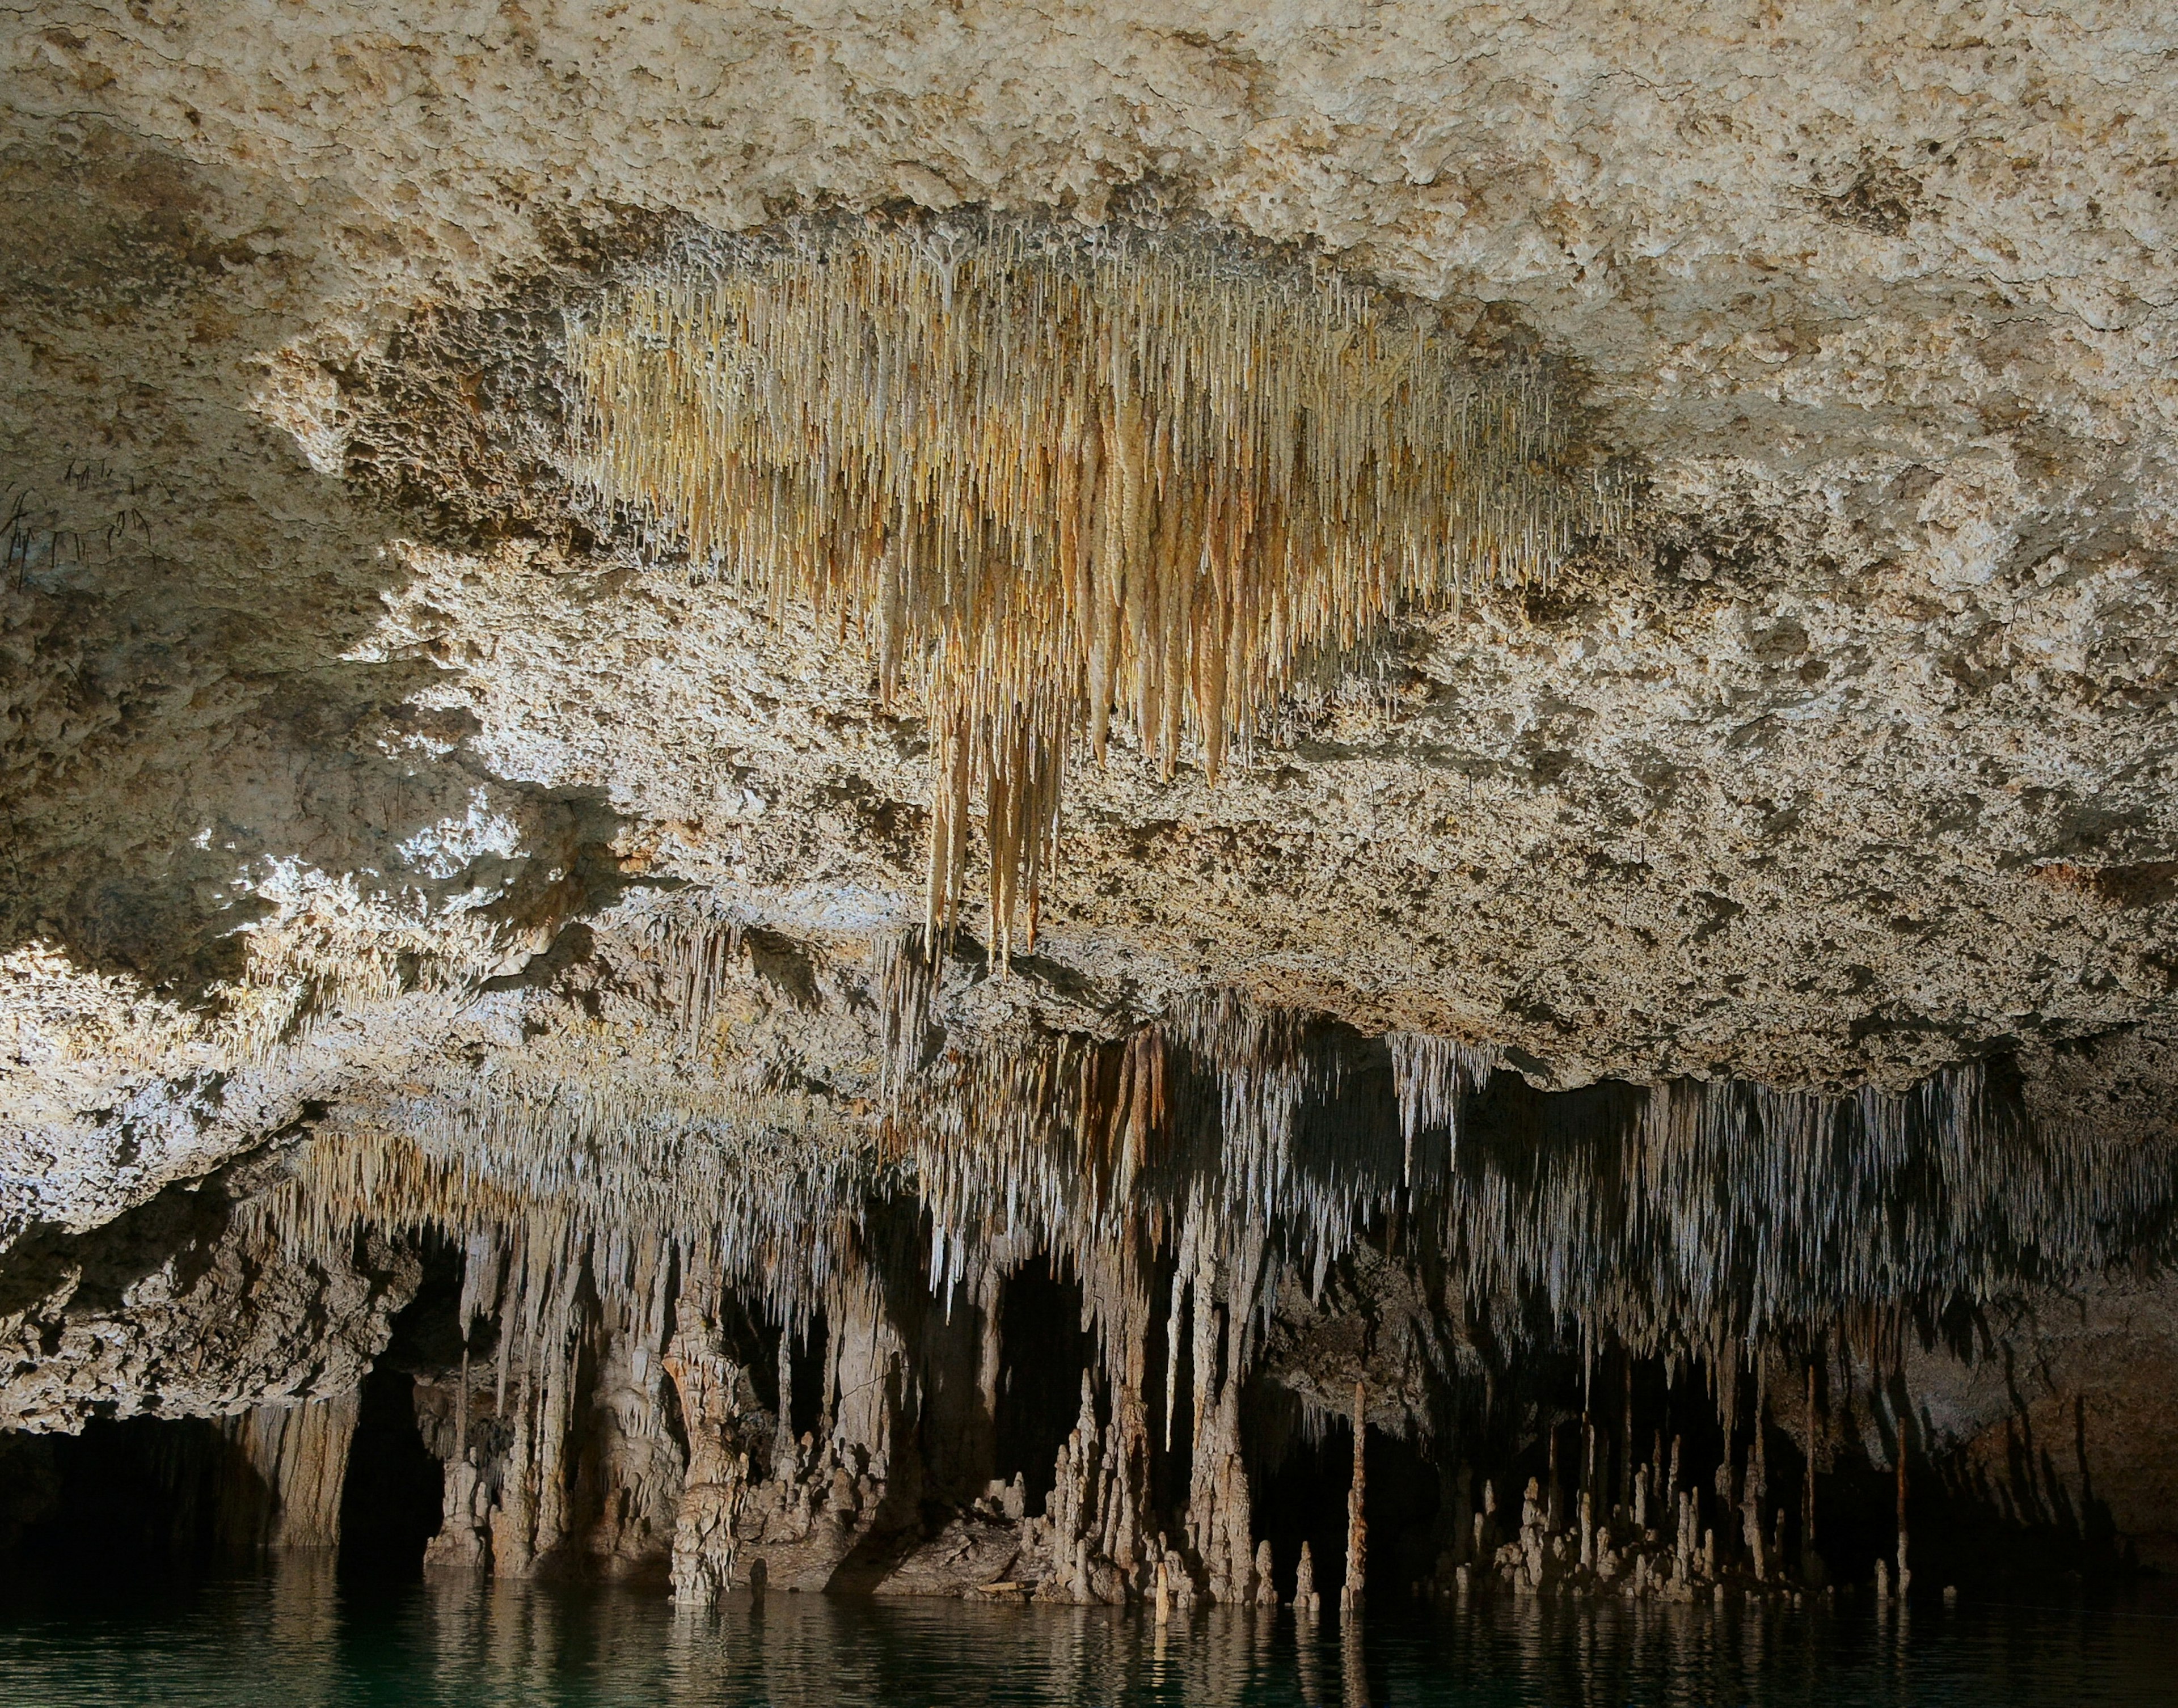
(349, 749)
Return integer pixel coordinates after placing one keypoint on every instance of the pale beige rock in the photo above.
(1872, 293)
(214, 1323)
(2064, 1426)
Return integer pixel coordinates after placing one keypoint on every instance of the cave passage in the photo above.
(805, 1364)
(1044, 1352)
(138, 1497)
(390, 1501)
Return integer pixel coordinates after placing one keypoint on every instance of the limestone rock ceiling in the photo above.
(349, 750)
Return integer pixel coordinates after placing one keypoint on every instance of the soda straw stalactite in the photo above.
(1048, 477)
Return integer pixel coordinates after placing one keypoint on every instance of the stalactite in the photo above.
(1047, 475)
(906, 976)
(1258, 1159)
(1433, 1076)
(695, 961)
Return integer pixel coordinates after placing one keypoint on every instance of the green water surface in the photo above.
(299, 1638)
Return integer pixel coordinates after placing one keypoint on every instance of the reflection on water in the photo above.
(296, 1639)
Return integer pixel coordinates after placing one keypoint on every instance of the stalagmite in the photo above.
(1218, 1506)
(1357, 1522)
(1531, 1561)
(1306, 1600)
(463, 1539)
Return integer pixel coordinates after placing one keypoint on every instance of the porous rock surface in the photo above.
(336, 731)
(181, 1309)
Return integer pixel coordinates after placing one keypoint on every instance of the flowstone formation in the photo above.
(1550, 640)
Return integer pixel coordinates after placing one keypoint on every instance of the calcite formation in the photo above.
(1045, 477)
(1552, 637)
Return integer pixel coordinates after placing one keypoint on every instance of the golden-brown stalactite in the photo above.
(1045, 475)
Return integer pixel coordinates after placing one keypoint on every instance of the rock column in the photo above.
(1357, 1523)
(711, 1498)
(299, 1454)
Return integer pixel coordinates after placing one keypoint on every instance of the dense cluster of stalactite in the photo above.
(1048, 475)
(651, 1278)
(1686, 1218)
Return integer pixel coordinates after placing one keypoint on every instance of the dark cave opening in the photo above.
(1303, 1499)
(1043, 1351)
(1403, 1497)
(1169, 1399)
(390, 1502)
(136, 1497)
(1641, 1422)
(391, 1496)
(804, 1395)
